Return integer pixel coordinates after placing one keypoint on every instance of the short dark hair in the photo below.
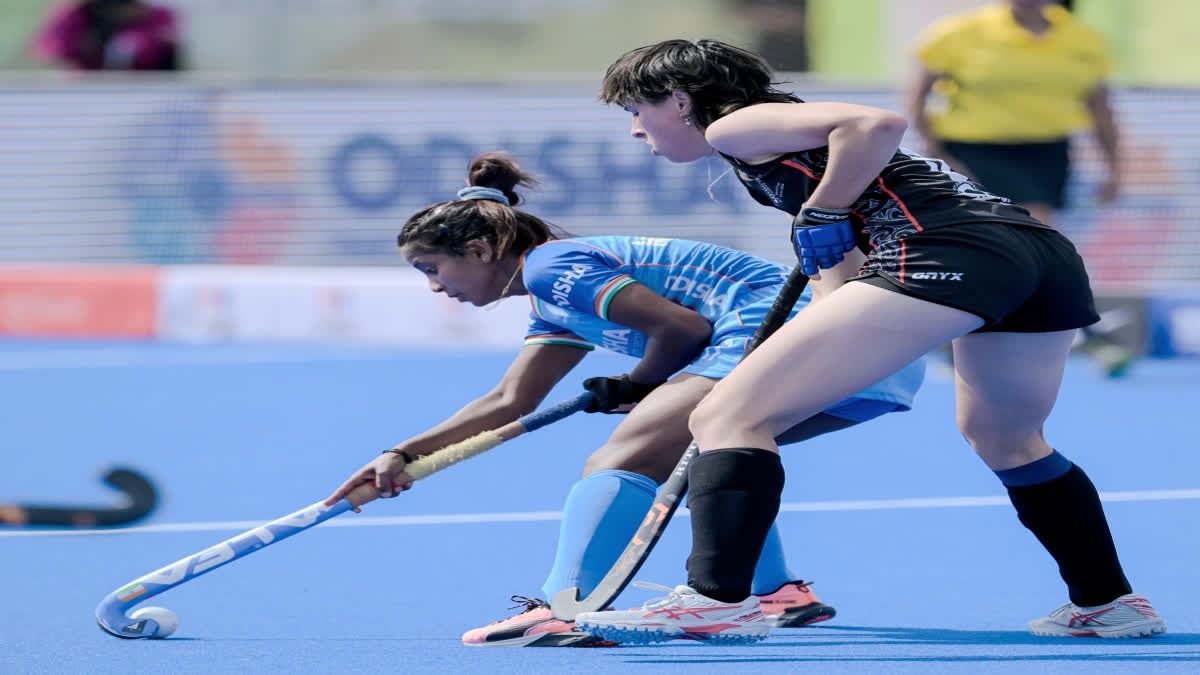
(719, 77)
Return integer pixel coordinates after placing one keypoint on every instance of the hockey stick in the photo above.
(155, 622)
(567, 604)
(140, 500)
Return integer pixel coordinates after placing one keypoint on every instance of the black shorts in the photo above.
(1017, 279)
(1027, 173)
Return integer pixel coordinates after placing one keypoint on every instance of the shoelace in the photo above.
(530, 604)
(801, 584)
(1062, 609)
(1072, 607)
(672, 594)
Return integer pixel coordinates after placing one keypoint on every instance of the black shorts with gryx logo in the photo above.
(1018, 279)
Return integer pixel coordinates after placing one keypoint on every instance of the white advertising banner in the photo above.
(343, 305)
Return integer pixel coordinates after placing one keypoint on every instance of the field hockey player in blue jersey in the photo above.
(906, 255)
(686, 310)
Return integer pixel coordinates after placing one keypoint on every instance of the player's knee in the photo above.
(600, 460)
(716, 416)
(654, 463)
(993, 438)
(703, 419)
(977, 431)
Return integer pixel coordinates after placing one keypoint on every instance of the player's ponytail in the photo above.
(480, 214)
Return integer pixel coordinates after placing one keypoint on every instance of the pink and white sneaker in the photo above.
(1129, 616)
(793, 605)
(534, 627)
(683, 614)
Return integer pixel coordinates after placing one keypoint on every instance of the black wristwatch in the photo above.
(407, 458)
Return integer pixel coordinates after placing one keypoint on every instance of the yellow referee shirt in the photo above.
(1004, 84)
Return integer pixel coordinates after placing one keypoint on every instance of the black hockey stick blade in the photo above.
(140, 499)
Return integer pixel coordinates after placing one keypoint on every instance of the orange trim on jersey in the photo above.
(536, 340)
(903, 254)
(804, 169)
(907, 214)
(739, 318)
(604, 292)
(862, 220)
(533, 303)
(557, 336)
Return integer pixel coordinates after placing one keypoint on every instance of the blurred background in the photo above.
(241, 173)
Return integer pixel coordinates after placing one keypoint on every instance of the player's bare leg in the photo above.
(651, 438)
(1006, 385)
(804, 368)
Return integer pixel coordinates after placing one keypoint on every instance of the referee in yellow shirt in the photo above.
(1018, 79)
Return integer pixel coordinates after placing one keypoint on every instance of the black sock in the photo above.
(1066, 516)
(734, 497)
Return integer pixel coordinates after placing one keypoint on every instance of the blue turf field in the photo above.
(235, 436)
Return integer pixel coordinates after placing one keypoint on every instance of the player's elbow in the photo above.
(510, 402)
(871, 129)
(887, 126)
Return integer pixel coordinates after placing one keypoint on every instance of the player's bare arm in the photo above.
(674, 334)
(861, 140)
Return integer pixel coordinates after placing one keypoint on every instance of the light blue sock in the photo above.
(771, 571)
(602, 513)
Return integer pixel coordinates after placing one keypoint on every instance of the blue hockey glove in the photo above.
(821, 238)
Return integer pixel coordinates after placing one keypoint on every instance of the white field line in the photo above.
(536, 516)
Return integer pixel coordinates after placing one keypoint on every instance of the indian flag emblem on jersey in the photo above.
(130, 592)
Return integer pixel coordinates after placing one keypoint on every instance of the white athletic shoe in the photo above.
(1128, 616)
(683, 614)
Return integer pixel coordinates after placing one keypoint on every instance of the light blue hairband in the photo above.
(481, 192)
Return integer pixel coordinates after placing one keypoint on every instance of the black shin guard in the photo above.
(734, 497)
(1066, 516)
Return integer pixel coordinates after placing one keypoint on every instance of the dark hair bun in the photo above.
(499, 170)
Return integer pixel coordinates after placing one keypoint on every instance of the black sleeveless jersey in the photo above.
(911, 194)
